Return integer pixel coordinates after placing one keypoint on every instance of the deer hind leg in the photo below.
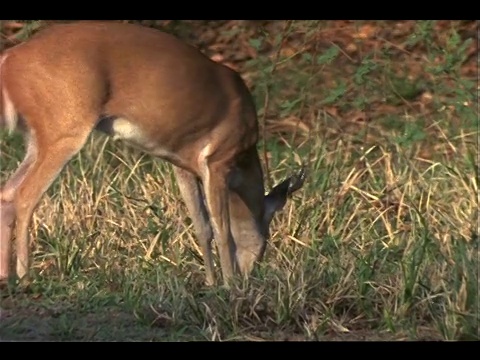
(247, 210)
(7, 208)
(7, 220)
(53, 151)
(191, 191)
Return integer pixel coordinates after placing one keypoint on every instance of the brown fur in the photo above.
(155, 92)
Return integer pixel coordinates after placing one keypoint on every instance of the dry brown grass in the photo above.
(382, 242)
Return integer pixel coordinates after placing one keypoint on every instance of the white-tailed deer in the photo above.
(157, 93)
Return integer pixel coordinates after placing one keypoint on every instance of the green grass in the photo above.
(380, 244)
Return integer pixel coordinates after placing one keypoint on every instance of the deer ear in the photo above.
(276, 199)
(296, 181)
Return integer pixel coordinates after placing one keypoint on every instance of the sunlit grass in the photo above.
(381, 243)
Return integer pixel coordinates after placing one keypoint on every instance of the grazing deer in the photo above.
(156, 93)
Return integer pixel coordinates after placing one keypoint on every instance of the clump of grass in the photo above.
(381, 243)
